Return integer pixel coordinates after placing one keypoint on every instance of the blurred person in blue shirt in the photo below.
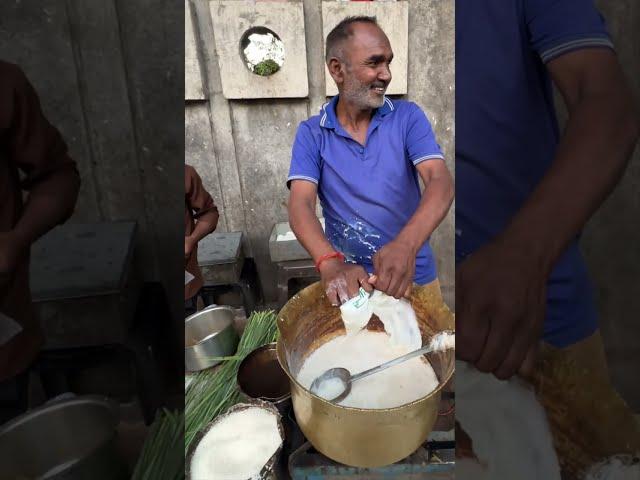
(525, 190)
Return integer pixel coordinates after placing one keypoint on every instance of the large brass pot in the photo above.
(354, 436)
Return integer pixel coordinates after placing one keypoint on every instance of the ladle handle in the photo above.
(391, 363)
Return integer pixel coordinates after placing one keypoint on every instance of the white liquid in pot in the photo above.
(396, 386)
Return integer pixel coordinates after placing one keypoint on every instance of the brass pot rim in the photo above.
(280, 350)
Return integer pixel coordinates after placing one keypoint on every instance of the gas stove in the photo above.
(433, 460)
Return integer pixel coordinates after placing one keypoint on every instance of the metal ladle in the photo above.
(341, 379)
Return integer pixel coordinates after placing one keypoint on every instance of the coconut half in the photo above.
(242, 444)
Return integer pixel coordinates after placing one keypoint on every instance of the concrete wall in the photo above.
(110, 77)
(611, 241)
(242, 148)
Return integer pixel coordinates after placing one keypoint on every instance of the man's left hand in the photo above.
(394, 267)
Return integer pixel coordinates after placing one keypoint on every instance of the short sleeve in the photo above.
(197, 197)
(557, 27)
(420, 141)
(34, 145)
(305, 157)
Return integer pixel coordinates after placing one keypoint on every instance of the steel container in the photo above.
(66, 440)
(209, 334)
(355, 436)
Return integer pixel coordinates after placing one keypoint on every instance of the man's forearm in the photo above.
(433, 207)
(308, 230)
(592, 155)
(50, 202)
(205, 224)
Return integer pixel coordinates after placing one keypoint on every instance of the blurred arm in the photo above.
(593, 152)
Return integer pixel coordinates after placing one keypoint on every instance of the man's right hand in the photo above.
(341, 281)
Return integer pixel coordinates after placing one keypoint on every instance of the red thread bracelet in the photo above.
(448, 411)
(328, 256)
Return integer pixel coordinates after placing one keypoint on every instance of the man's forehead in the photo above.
(367, 36)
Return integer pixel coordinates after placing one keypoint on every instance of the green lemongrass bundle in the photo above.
(161, 457)
(211, 392)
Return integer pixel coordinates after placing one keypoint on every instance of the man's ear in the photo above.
(336, 70)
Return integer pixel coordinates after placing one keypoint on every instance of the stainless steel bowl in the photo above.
(66, 440)
(208, 334)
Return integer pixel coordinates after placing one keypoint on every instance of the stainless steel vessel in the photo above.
(66, 440)
(208, 334)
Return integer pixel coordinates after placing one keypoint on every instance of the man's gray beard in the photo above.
(361, 96)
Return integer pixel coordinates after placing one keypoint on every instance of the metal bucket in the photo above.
(208, 334)
(355, 436)
(66, 440)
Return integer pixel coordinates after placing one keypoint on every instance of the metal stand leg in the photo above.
(283, 286)
(248, 299)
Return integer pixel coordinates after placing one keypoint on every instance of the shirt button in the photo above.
(362, 150)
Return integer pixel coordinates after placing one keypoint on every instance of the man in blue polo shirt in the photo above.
(362, 156)
(525, 190)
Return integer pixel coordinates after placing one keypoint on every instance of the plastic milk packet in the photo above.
(356, 312)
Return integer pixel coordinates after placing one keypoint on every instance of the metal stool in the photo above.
(86, 294)
(84, 285)
(291, 259)
(290, 270)
(222, 264)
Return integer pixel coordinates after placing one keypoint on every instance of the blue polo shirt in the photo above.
(507, 133)
(368, 192)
